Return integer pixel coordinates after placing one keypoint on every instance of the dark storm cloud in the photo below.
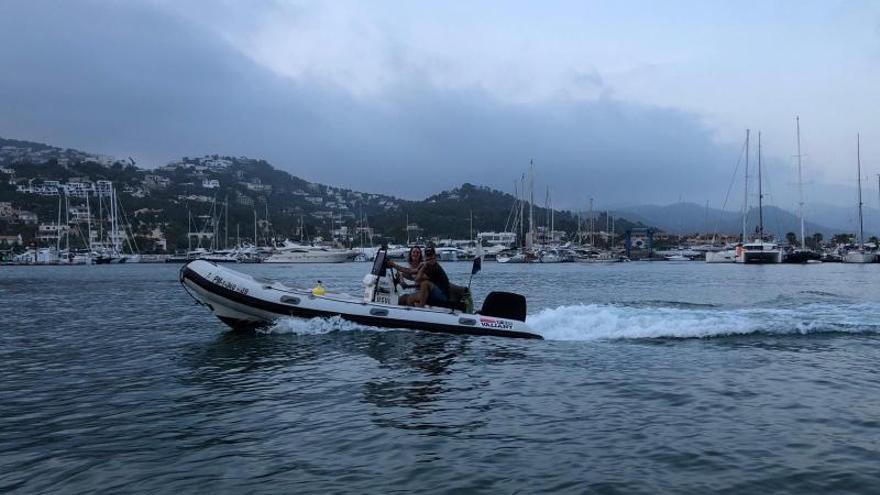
(130, 80)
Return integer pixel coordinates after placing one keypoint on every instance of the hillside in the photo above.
(251, 194)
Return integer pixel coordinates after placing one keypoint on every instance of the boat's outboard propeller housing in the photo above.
(505, 305)
(378, 286)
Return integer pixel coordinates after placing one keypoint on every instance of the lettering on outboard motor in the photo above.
(493, 323)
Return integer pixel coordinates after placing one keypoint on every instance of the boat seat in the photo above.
(458, 296)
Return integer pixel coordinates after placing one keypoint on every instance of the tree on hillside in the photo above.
(792, 239)
(817, 239)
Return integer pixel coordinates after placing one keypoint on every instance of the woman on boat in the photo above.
(415, 261)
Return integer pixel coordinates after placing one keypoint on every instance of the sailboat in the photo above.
(728, 254)
(527, 254)
(801, 254)
(760, 249)
(859, 255)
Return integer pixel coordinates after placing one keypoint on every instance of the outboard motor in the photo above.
(377, 286)
(505, 305)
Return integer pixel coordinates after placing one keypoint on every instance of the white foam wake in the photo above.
(315, 326)
(607, 321)
(613, 321)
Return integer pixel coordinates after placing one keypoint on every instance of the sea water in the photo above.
(654, 377)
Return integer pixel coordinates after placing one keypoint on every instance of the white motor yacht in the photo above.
(296, 253)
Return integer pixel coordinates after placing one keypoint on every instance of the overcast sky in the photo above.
(628, 102)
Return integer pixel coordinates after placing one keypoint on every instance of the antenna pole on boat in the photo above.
(800, 182)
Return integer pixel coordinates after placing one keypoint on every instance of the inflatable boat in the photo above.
(244, 302)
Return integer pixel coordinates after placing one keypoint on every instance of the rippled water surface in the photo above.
(655, 377)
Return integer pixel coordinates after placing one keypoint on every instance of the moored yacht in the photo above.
(859, 256)
(759, 252)
(296, 253)
(727, 255)
(760, 249)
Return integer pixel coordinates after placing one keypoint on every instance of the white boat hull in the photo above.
(241, 301)
(312, 256)
(727, 256)
(759, 253)
(859, 257)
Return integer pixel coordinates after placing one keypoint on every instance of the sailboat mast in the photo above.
(67, 221)
(114, 221)
(760, 193)
(188, 230)
(859, 169)
(531, 202)
(612, 232)
(800, 182)
(226, 223)
(100, 219)
(58, 232)
(89, 226)
(522, 203)
(546, 214)
(746, 190)
(591, 222)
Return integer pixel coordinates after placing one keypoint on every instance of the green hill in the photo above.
(184, 194)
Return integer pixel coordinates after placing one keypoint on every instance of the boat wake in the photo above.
(591, 322)
(315, 326)
(610, 321)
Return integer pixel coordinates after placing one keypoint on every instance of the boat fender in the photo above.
(318, 290)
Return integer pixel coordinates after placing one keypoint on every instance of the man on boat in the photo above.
(432, 282)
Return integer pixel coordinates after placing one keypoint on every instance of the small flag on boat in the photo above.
(478, 259)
